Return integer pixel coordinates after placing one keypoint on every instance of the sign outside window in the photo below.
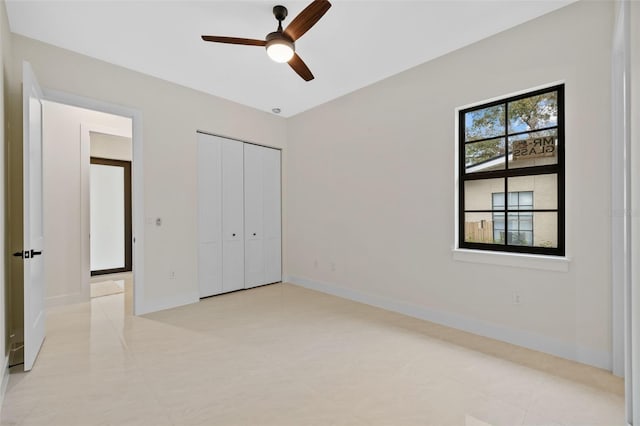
(538, 147)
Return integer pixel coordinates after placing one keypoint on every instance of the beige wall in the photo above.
(5, 69)
(371, 189)
(171, 114)
(111, 146)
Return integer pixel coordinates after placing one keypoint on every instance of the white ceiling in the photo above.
(355, 44)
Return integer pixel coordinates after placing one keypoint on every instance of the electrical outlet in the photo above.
(172, 275)
(333, 267)
(516, 298)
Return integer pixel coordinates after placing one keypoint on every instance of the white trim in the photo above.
(509, 95)
(5, 381)
(169, 303)
(66, 299)
(620, 189)
(518, 260)
(530, 340)
(140, 305)
(632, 293)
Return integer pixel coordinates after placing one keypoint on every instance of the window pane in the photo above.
(525, 221)
(498, 221)
(498, 200)
(520, 238)
(545, 229)
(478, 194)
(526, 200)
(478, 228)
(535, 112)
(533, 149)
(513, 200)
(483, 156)
(484, 123)
(543, 189)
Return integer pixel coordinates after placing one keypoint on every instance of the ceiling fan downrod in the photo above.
(280, 12)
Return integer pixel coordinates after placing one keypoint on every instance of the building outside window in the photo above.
(513, 146)
(520, 223)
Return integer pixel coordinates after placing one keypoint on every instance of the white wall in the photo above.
(62, 196)
(171, 114)
(371, 190)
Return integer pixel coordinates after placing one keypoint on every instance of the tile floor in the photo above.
(283, 355)
(106, 288)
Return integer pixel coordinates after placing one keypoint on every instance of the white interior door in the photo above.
(253, 220)
(262, 216)
(34, 283)
(272, 215)
(232, 216)
(209, 215)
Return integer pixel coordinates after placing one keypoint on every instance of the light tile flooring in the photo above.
(283, 355)
(106, 288)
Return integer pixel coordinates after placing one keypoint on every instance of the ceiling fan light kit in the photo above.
(279, 48)
(280, 44)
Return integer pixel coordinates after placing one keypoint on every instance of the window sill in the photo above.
(518, 260)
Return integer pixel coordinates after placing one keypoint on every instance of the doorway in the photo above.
(110, 215)
(132, 132)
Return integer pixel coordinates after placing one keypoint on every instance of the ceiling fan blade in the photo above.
(300, 67)
(235, 40)
(307, 19)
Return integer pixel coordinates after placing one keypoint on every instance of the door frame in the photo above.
(137, 188)
(128, 234)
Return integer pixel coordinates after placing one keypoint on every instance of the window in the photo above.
(520, 223)
(513, 146)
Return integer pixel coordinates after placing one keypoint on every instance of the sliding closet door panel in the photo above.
(232, 215)
(253, 219)
(272, 243)
(209, 215)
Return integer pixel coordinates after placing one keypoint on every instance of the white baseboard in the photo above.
(174, 302)
(535, 341)
(5, 381)
(66, 299)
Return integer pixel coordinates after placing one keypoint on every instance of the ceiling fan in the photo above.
(281, 44)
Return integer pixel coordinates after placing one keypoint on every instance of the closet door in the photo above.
(272, 218)
(262, 215)
(209, 215)
(232, 216)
